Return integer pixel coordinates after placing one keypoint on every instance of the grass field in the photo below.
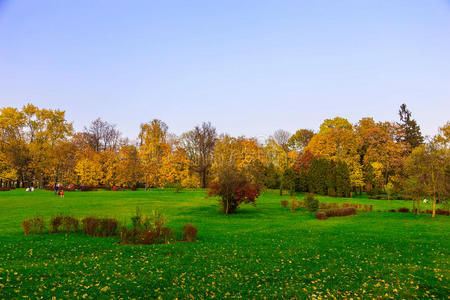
(261, 251)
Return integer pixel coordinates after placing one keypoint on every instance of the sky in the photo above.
(249, 67)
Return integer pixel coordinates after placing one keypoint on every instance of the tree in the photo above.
(389, 188)
(413, 189)
(233, 189)
(429, 165)
(102, 135)
(300, 139)
(281, 137)
(317, 176)
(153, 147)
(199, 145)
(272, 179)
(337, 140)
(379, 148)
(129, 167)
(302, 166)
(243, 154)
(288, 181)
(412, 134)
(175, 167)
(89, 169)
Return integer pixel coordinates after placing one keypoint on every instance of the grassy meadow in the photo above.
(265, 250)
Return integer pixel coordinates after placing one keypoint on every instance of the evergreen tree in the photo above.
(411, 130)
(331, 178)
(343, 184)
(317, 176)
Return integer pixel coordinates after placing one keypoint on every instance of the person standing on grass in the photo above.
(56, 188)
(62, 193)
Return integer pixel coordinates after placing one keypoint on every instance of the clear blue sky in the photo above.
(249, 67)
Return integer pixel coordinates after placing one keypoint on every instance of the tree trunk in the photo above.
(204, 179)
(414, 205)
(418, 206)
(434, 206)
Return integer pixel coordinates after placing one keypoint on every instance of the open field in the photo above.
(261, 251)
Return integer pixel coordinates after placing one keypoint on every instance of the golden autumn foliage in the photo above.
(243, 154)
(39, 147)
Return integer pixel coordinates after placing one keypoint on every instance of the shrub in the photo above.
(233, 188)
(5, 189)
(136, 220)
(338, 212)
(148, 237)
(26, 227)
(55, 222)
(108, 227)
(403, 210)
(131, 236)
(91, 226)
(442, 212)
(341, 212)
(284, 203)
(321, 215)
(70, 224)
(190, 233)
(392, 210)
(368, 208)
(311, 203)
(166, 234)
(33, 226)
(293, 204)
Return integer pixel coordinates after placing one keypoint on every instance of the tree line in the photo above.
(40, 147)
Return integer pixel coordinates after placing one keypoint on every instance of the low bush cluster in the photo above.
(360, 207)
(338, 212)
(190, 233)
(100, 227)
(5, 189)
(66, 223)
(33, 226)
(152, 230)
(439, 211)
(284, 203)
(403, 210)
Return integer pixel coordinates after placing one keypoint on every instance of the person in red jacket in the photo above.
(62, 193)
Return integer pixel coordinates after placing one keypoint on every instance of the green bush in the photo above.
(311, 203)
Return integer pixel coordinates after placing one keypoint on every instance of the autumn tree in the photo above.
(379, 151)
(233, 189)
(428, 164)
(242, 154)
(89, 168)
(175, 167)
(153, 147)
(102, 135)
(300, 139)
(129, 168)
(282, 138)
(337, 140)
(301, 167)
(199, 145)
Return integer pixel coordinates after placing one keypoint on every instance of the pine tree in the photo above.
(317, 176)
(411, 130)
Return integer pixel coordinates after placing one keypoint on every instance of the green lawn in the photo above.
(261, 251)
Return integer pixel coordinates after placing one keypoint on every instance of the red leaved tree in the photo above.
(233, 188)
